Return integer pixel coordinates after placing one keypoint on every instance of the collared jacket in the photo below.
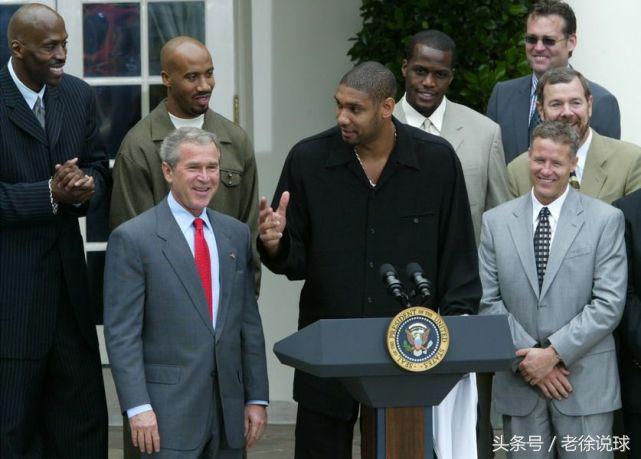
(340, 231)
(139, 183)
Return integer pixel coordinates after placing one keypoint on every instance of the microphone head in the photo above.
(414, 268)
(386, 269)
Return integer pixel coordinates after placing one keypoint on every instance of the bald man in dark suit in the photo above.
(52, 400)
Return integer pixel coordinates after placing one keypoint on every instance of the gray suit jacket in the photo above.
(612, 170)
(477, 142)
(579, 305)
(509, 106)
(162, 346)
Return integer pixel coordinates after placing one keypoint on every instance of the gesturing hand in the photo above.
(271, 223)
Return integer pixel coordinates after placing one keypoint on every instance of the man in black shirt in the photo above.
(367, 192)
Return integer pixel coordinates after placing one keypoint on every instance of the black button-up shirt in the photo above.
(340, 230)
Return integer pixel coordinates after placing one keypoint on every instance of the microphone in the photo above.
(390, 279)
(423, 286)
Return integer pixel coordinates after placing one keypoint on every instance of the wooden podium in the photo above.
(397, 418)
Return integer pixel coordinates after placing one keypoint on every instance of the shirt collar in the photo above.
(30, 96)
(342, 153)
(184, 218)
(554, 207)
(582, 154)
(416, 119)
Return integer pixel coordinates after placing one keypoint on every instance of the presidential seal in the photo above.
(417, 339)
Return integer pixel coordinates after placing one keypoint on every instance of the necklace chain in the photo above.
(371, 182)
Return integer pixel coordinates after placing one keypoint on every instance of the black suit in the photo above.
(47, 322)
(629, 331)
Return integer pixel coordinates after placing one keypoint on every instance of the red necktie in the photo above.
(203, 262)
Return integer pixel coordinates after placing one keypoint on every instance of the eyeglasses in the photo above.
(548, 42)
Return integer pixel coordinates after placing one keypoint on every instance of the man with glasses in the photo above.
(549, 41)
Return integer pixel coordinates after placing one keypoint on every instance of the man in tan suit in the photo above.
(607, 168)
(428, 72)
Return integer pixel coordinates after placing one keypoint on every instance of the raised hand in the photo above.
(271, 223)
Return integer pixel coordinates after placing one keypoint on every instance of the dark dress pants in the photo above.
(320, 436)
(54, 406)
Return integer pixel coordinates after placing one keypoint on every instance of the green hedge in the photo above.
(488, 36)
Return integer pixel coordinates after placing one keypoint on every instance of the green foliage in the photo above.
(488, 36)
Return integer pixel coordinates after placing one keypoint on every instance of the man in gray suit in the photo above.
(550, 39)
(182, 326)
(554, 262)
(428, 70)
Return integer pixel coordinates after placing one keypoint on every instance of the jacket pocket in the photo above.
(231, 177)
(162, 374)
(577, 252)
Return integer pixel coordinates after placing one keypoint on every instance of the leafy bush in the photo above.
(488, 36)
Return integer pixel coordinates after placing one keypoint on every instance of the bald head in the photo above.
(188, 74)
(29, 17)
(176, 48)
(38, 45)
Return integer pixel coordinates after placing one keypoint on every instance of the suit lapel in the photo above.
(227, 269)
(520, 227)
(452, 129)
(567, 228)
(594, 173)
(176, 251)
(18, 111)
(53, 115)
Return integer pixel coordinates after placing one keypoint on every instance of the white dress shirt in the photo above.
(433, 124)
(30, 96)
(582, 154)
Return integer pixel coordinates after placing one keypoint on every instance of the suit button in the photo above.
(213, 374)
(371, 264)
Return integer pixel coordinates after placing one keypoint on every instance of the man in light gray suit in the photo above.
(429, 70)
(550, 39)
(182, 326)
(554, 262)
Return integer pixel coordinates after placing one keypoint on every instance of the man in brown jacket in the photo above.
(187, 73)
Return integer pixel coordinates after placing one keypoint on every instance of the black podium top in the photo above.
(355, 351)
